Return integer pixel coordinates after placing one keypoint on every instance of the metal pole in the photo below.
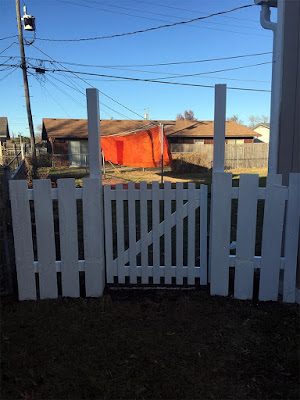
(162, 152)
(25, 80)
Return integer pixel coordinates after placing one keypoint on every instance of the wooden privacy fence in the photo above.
(161, 244)
(277, 260)
(244, 155)
(143, 227)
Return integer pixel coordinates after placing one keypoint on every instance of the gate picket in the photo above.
(132, 232)
(179, 233)
(155, 229)
(43, 210)
(167, 232)
(144, 231)
(67, 211)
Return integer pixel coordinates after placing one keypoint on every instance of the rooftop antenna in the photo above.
(146, 115)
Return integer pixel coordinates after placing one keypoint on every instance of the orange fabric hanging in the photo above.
(141, 149)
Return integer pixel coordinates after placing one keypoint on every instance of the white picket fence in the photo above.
(124, 263)
(281, 214)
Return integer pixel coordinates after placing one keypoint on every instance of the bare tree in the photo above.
(188, 116)
(256, 119)
(236, 119)
(179, 117)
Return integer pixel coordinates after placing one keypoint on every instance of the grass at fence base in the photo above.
(149, 345)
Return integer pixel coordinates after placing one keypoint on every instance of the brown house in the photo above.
(69, 136)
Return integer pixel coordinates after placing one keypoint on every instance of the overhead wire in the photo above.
(10, 72)
(191, 11)
(154, 65)
(9, 37)
(104, 94)
(154, 80)
(155, 19)
(8, 47)
(149, 29)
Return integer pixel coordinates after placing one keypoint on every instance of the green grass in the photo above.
(149, 345)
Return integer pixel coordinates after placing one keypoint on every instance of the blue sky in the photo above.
(57, 95)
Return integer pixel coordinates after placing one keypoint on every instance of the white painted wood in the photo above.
(120, 232)
(167, 232)
(93, 236)
(203, 235)
(21, 223)
(156, 236)
(111, 269)
(132, 232)
(291, 241)
(256, 262)
(95, 159)
(191, 233)
(245, 236)
(220, 241)
(144, 231)
(179, 233)
(271, 241)
(43, 210)
(219, 128)
(67, 210)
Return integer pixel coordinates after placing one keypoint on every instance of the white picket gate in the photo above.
(281, 214)
(124, 263)
(46, 265)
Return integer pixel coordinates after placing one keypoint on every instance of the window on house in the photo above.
(78, 153)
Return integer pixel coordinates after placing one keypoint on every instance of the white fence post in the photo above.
(94, 143)
(219, 128)
(93, 223)
(219, 149)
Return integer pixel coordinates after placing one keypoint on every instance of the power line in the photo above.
(104, 94)
(191, 11)
(157, 64)
(10, 72)
(155, 19)
(153, 80)
(149, 29)
(9, 37)
(220, 70)
(8, 47)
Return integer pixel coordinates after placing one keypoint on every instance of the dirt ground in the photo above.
(151, 344)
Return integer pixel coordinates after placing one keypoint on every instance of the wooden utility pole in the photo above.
(25, 80)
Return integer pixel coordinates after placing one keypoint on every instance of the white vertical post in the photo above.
(94, 143)
(93, 223)
(219, 128)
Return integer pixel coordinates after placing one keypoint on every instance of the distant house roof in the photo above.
(264, 124)
(4, 131)
(77, 128)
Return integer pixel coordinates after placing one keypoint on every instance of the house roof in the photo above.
(4, 131)
(264, 124)
(77, 128)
